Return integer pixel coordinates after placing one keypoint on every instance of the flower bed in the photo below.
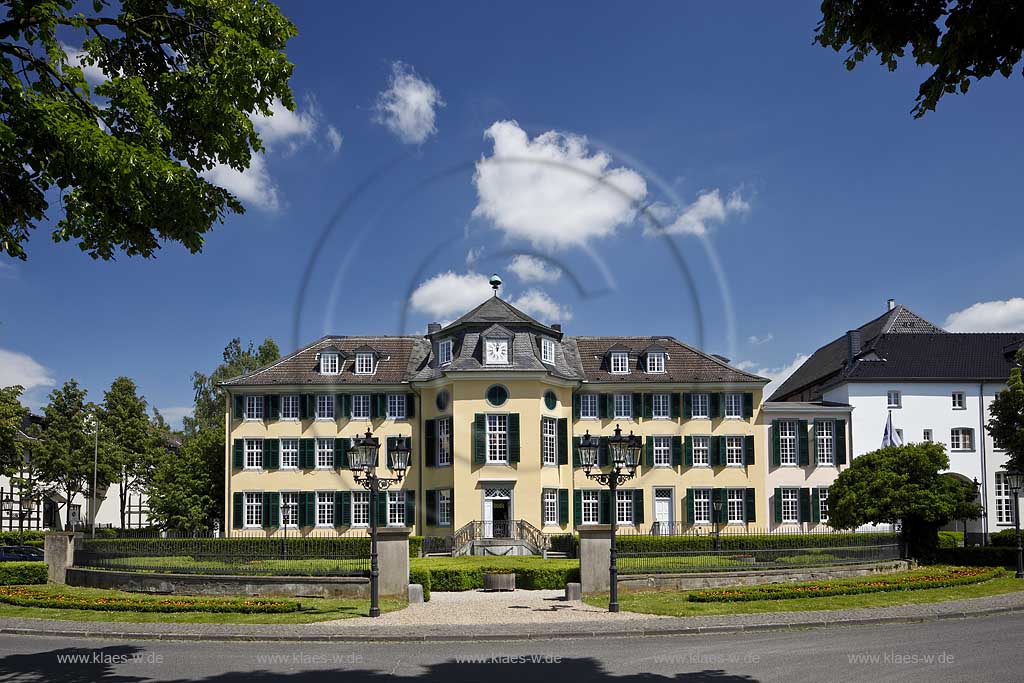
(941, 579)
(30, 597)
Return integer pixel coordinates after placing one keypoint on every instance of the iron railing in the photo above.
(512, 529)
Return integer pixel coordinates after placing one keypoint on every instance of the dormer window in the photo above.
(496, 351)
(329, 363)
(364, 363)
(656, 361)
(444, 352)
(547, 350)
(620, 362)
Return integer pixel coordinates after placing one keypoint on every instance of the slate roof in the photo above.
(494, 310)
(683, 363)
(959, 356)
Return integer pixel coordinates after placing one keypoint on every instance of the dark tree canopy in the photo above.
(961, 40)
(1007, 422)
(173, 83)
(209, 398)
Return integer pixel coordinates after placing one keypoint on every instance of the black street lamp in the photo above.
(363, 460)
(1015, 481)
(625, 452)
(716, 507)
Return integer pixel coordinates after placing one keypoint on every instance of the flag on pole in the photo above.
(890, 437)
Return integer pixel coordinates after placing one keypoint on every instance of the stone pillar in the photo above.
(595, 555)
(59, 553)
(393, 560)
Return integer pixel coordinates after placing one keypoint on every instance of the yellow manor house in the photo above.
(494, 404)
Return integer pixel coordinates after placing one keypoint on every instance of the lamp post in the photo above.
(625, 452)
(716, 507)
(363, 460)
(1015, 481)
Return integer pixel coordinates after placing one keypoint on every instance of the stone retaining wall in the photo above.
(208, 584)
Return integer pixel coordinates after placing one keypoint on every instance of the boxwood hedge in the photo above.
(357, 546)
(29, 597)
(530, 575)
(22, 573)
(665, 544)
(422, 577)
(32, 538)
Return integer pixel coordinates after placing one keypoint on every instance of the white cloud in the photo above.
(253, 186)
(174, 415)
(989, 316)
(450, 293)
(532, 269)
(697, 218)
(93, 74)
(552, 190)
(757, 341)
(285, 126)
(20, 368)
(776, 375)
(473, 255)
(538, 304)
(334, 139)
(409, 105)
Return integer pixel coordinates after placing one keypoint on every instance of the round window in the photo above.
(550, 400)
(497, 395)
(442, 400)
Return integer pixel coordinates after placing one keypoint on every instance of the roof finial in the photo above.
(495, 283)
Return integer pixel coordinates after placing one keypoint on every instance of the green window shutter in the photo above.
(239, 407)
(748, 405)
(648, 407)
(608, 406)
(778, 506)
(603, 452)
(271, 454)
(649, 450)
(674, 406)
(307, 508)
(750, 505)
(275, 509)
(687, 406)
(307, 406)
(638, 406)
(805, 448)
(577, 508)
(342, 508)
(723, 516)
(430, 443)
(265, 511)
(513, 437)
(382, 508)
(563, 441)
(410, 508)
(776, 450)
(238, 511)
(267, 401)
(480, 438)
(341, 445)
(677, 451)
(389, 446)
(575, 406)
(713, 406)
(748, 450)
(688, 506)
(638, 506)
(688, 451)
(410, 405)
(604, 512)
(576, 452)
(272, 407)
(431, 502)
(306, 453)
(346, 406)
(563, 506)
(840, 441)
(815, 506)
(717, 447)
(805, 505)
(239, 454)
(375, 411)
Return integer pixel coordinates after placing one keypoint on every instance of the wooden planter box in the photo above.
(499, 582)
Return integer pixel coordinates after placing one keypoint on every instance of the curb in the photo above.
(521, 636)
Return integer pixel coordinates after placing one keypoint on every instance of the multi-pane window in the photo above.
(591, 507)
(396, 406)
(790, 505)
(547, 350)
(325, 407)
(548, 441)
(290, 509)
(824, 440)
(497, 438)
(736, 506)
(290, 407)
(361, 407)
(1004, 502)
(329, 364)
(961, 439)
(444, 507)
(787, 442)
(701, 450)
(893, 398)
(656, 362)
(624, 406)
(588, 406)
(823, 504)
(702, 506)
(325, 508)
(364, 363)
(253, 407)
(699, 405)
(662, 450)
(550, 506)
(253, 509)
(253, 454)
(289, 453)
(444, 352)
(444, 441)
(734, 405)
(958, 400)
(734, 450)
(927, 435)
(620, 362)
(325, 453)
(360, 508)
(624, 506)
(660, 406)
(396, 508)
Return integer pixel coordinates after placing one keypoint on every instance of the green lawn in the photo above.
(676, 604)
(313, 609)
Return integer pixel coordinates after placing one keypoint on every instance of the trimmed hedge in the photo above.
(978, 556)
(29, 597)
(173, 547)
(22, 573)
(951, 539)
(30, 538)
(422, 577)
(665, 544)
(953, 577)
(527, 578)
(1007, 538)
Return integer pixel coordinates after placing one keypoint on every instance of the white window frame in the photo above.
(253, 454)
(253, 507)
(289, 512)
(254, 408)
(736, 506)
(550, 506)
(445, 351)
(624, 506)
(734, 451)
(788, 443)
(325, 407)
(361, 406)
(495, 342)
(959, 400)
(656, 362)
(398, 407)
(396, 508)
(364, 364)
(619, 363)
(961, 439)
(702, 506)
(589, 407)
(662, 451)
(893, 399)
(823, 504)
(287, 451)
(825, 442)
(359, 515)
(324, 509)
(325, 447)
(444, 430)
(704, 446)
(547, 350)
(928, 436)
(590, 502)
(330, 363)
(444, 507)
(704, 409)
(661, 406)
(1003, 500)
(734, 406)
(621, 413)
(290, 406)
(790, 505)
(497, 439)
(549, 441)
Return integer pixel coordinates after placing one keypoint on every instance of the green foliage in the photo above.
(1007, 538)
(173, 87)
(32, 538)
(564, 543)
(956, 576)
(11, 414)
(210, 399)
(467, 573)
(29, 597)
(22, 573)
(978, 556)
(130, 442)
(961, 41)
(187, 491)
(422, 577)
(668, 544)
(951, 539)
(212, 548)
(1007, 422)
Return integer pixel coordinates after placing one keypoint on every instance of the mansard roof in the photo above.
(495, 310)
(683, 363)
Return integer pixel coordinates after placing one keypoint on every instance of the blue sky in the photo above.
(813, 188)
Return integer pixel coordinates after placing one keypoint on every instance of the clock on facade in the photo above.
(496, 351)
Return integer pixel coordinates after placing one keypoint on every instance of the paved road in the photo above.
(981, 649)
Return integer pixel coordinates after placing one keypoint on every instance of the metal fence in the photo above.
(148, 551)
(674, 549)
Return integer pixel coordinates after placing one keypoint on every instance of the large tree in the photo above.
(1007, 422)
(961, 41)
(129, 442)
(11, 415)
(209, 398)
(901, 484)
(120, 130)
(187, 490)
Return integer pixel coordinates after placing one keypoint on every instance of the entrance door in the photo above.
(497, 513)
(663, 511)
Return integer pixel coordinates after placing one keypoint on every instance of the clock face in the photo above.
(497, 351)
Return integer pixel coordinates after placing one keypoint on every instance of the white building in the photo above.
(937, 385)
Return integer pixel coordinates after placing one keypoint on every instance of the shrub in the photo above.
(29, 597)
(422, 577)
(22, 573)
(209, 548)
(564, 543)
(666, 544)
(1007, 538)
(31, 538)
(465, 574)
(951, 539)
(978, 556)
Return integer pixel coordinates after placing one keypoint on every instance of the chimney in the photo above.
(891, 303)
(853, 341)
(557, 327)
(433, 327)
